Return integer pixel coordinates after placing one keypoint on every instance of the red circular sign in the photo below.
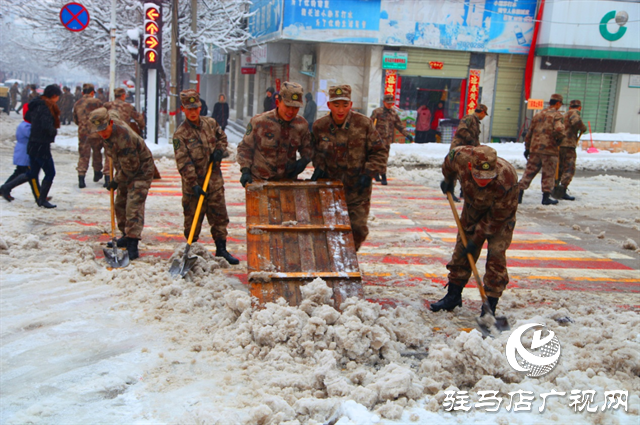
(74, 17)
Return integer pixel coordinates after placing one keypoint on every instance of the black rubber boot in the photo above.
(44, 191)
(221, 251)
(132, 248)
(377, 177)
(6, 188)
(546, 199)
(107, 180)
(81, 183)
(450, 301)
(383, 179)
(493, 302)
(565, 196)
(520, 195)
(120, 242)
(97, 175)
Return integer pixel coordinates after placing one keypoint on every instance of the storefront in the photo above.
(596, 64)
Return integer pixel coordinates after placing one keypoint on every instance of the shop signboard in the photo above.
(394, 60)
(265, 22)
(604, 30)
(634, 81)
(535, 104)
(472, 92)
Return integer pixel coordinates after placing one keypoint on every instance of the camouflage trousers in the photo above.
(358, 207)
(548, 163)
(567, 165)
(90, 146)
(496, 276)
(129, 207)
(214, 207)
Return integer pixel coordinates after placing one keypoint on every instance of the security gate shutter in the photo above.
(508, 98)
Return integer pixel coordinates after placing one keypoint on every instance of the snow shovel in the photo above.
(116, 258)
(592, 149)
(501, 322)
(181, 268)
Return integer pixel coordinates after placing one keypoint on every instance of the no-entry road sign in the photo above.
(74, 17)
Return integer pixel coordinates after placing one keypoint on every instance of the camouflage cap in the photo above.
(388, 98)
(482, 108)
(100, 119)
(292, 94)
(575, 104)
(557, 97)
(119, 92)
(342, 92)
(483, 163)
(87, 86)
(190, 99)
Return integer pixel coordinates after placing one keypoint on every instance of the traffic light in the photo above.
(135, 48)
(152, 35)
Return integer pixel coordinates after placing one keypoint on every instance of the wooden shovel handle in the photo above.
(113, 213)
(463, 236)
(200, 201)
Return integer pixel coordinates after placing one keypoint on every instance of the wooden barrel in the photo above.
(298, 231)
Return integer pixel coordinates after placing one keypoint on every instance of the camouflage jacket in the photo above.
(573, 125)
(490, 208)
(468, 132)
(193, 145)
(271, 143)
(24, 95)
(546, 133)
(14, 91)
(81, 111)
(386, 120)
(66, 102)
(347, 151)
(126, 111)
(132, 159)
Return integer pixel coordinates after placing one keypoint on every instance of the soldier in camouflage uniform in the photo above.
(89, 143)
(199, 142)
(386, 120)
(66, 106)
(126, 111)
(490, 186)
(541, 149)
(13, 92)
(468, 132)
(78, 94)
(347, 147)
(101, 96)
(573, 128)
(268, 148)
(133, 166)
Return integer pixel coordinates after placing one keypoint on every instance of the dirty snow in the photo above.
(83, 344)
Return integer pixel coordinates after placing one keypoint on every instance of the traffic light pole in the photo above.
(112, 61)
(152, 105)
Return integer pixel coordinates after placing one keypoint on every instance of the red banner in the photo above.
(436, 65)
(472, 94)
(392, 85)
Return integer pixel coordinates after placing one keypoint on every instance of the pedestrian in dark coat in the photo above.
(310, 110)
(44, 116)
(269, 102)
(204, 110)
(221, 112)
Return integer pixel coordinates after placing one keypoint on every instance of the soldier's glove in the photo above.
(113, 185)
(246, 177)
(295, 168)
(216, 156)
(410, 139)
(364, 181)
(197, 190)
(471, 247)
(319, 174)
(526, 154)
(447, 186)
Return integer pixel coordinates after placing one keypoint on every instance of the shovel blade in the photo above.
(487, 323)
(182, 267)
(116, 258)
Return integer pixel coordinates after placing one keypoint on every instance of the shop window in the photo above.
(596, 91)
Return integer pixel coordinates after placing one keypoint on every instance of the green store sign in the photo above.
(394, 60)
(605, 33)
